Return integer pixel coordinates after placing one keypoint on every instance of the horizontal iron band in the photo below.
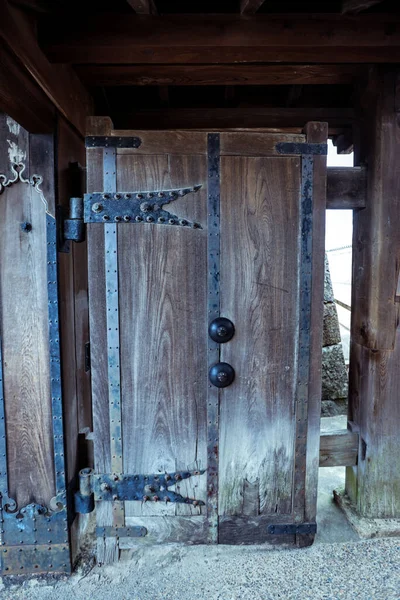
(292, 528)
(101, 141)
(299, 148)
(110, 531)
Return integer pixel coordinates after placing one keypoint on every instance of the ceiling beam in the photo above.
(356, 6)
(249, 7)
(229, 39)
(339, 119)
(60, 83)
(38, 6)
(145, 75)
(143, 7)
(21, 98)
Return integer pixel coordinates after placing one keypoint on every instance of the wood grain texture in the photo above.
(165, 142)
(316, 133)
(259, 292)
(223, 39)
(252, 530)
(167, 529)
(255, 144)
(376, 238)
(163, 346)
(249, 7)
(161, 75)
(24, 328)
(338, 449)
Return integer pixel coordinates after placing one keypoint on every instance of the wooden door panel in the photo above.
(259, 293)
(163, 345)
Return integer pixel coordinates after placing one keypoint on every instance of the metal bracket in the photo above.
(103, 141)
(136, 207)
(292, 529)
(118, 487)
(74, 227)
(299, 148)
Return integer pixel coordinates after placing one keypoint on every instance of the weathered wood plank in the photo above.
(167, 529)
(60, 84)
(338, 449)
(253, 530)
(346, 187)
(165, 142)
(259, 279)
(229, 39)
(376, 238)
(163, 350)
(24, 324)
(239, 118)
(161, 75)
(255, 144)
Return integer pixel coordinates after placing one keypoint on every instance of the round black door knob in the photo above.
(221, 375)
(221, 330)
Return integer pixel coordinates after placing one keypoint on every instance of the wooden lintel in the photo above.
(234, 118)
(338, 449)
(346, 187)
(21, 98)
(60, 84)
(356, 6)
(228, 39)
(249, 7)
(162, 75)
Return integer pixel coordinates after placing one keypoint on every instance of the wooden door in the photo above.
(223, 464)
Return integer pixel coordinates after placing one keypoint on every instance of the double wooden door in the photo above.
(176, 457)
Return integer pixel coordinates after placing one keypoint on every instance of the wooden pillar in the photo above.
(374, 395)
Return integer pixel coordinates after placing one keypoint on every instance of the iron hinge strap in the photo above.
(112, 141)
(292, 528)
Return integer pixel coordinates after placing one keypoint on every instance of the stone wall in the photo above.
(334, 371)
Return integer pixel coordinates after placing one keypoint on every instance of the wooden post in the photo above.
(374, 405)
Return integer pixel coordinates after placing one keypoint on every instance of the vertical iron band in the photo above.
(113, 331)
(213, 270)
(305, 290)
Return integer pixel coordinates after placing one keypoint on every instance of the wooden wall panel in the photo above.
(24, 323)
(260, 229)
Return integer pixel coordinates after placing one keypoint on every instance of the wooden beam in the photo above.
(145, 75)
(228, 39)
(356, 6)
(38, 6)
(346, 187)
(60, 84)
(21, 98)
(374, 377)
(249, 7)
(338, 449)
(234, 118)
(143, 7)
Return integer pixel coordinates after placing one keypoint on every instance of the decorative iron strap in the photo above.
(136, 207)
(103, 141)
(306, 241)
(34, 538)
(302, 149)
(213, 267)
(113, 336)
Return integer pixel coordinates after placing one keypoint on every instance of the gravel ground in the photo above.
(362, 570)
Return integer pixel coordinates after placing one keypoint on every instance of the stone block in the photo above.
(328, 289)
(331, 332)
(334, 373)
